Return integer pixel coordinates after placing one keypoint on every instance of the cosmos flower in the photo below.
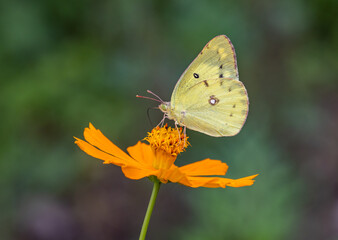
(157, 159)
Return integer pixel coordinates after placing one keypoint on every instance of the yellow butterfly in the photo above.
(209, 97)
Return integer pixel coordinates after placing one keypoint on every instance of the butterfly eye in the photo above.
(196, 75)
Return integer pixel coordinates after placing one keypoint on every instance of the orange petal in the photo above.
(246, 181)
(142, 153)
(205, 167)
(133, 172)
(97, 139)
(94, 152)
(210, 182)
(173, 174)
(214, 182)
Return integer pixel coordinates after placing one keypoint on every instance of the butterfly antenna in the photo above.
(149, 98)
(148, 91)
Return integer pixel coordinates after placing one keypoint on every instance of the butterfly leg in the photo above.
(185, 134)
(162, 121)
(179, 133)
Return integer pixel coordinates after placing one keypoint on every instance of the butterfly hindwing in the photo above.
(216, 107)
(216, 60)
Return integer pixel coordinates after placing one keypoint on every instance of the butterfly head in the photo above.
(164, 107)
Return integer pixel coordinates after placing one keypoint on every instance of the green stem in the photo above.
(151, 204)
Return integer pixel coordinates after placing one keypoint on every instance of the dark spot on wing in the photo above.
(221, 75)
(206, 83)
(213, 100)
(196, 75)
(230, 114)
(220, 67)
(234, 106)
(230, 89)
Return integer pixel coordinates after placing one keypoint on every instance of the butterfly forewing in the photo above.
(208, 97)
(216, 60)
(216, 107)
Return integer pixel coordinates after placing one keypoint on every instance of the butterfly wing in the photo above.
(216, 107)
(216, 60)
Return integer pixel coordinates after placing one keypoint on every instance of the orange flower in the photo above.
(157, 159)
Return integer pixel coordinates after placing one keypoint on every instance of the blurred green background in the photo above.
(64, 64)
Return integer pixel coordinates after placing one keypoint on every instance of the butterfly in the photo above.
(208, 97)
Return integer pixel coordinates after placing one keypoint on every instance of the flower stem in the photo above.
(151, 204)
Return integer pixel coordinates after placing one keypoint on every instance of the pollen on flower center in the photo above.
(170, 140)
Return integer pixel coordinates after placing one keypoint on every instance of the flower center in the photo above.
(166, 143)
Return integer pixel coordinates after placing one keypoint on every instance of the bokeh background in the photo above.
(64, 64)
